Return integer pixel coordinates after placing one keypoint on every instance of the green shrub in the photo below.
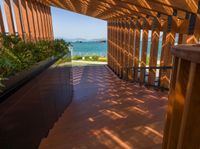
(77, 58)
(87, 58)
(95, 58)
(17, 55)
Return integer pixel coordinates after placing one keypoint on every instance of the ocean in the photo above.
(91, 48)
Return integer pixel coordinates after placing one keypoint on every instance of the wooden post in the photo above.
(120, 48)
(137, 50)
(30, 21)
(25, 24)
(117, 47)
(51, 24)
(154, 51)
(144, 50)
(166, 56)
(131, 48)
(35, 19)
(9, 16)
(18, 18)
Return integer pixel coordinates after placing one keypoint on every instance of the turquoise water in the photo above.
(100, 48)
(89, 48)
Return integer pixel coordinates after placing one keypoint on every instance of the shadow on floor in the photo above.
(109, 113)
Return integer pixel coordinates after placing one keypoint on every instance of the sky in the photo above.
(71, 25)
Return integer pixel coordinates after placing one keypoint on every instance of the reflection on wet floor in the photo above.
(28, 115)
(109, 113)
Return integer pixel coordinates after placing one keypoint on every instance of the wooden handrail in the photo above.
(187, 52)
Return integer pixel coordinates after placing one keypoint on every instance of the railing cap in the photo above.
(187, 52)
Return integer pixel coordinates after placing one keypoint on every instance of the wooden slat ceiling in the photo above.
(111, 9)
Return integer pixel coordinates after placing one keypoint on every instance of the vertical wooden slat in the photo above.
(48, 22)
(35, 19)
(40, 19)
(154, 52)
(117, 47)
(2, 28)
(125, 48)
(131, 49)
(44, 21)
(30, 20)
(9, 16)
(144, 53)
(51, 24)
(16, 6)
(136, 52)
(120, 48)
(25, 20)
(167, 59)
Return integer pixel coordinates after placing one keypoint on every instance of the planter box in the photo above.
(15, 82)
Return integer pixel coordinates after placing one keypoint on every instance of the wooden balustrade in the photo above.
(182, 130)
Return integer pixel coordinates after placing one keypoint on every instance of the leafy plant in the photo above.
(17, 55)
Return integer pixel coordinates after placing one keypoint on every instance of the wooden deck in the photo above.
(107, 112)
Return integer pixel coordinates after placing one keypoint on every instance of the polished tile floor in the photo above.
(108, 113)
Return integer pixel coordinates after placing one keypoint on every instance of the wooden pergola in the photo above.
(128, 21)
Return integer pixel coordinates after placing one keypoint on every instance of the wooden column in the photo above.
(44, 22)
(51, 24)
(18, 17)
(35, 19)
(2, 28)
(117, 46)
(144, 50)
(9, 16)
(40, 19)
(137, 50)
(32, 31)
(114, 47)
(182, 129)
(154, 51)
(125, 49)
(25, 23)
(131, 49)
(120, 48)
(166, 56)
(48, 22)
(108, 36)
(111, 45)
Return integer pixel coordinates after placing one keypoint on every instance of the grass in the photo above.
(94, 58)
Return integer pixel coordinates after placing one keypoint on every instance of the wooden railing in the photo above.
(142, 75)
(182, 129)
